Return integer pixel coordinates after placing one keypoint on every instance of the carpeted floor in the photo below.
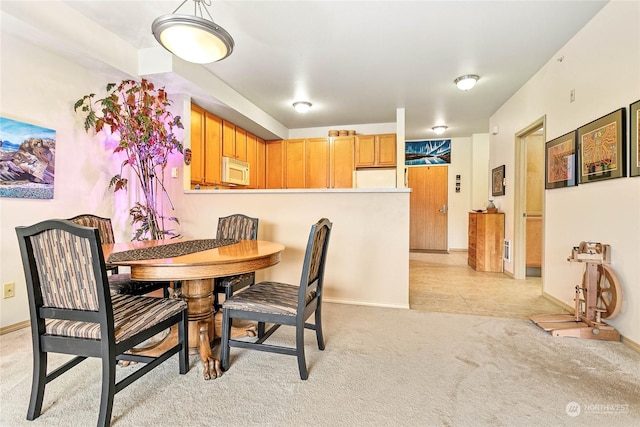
(381, 367)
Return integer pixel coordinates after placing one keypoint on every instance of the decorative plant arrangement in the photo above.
(137, 112)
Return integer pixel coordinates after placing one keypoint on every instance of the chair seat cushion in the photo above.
(267, 297)
(122, 284)
(131, 314)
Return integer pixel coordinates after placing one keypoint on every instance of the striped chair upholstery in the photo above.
(73, 312)
(119, 283)
(282, 304)
(236, 227)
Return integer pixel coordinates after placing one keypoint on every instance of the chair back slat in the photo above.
(65, 270)
(104, 226)
(237, 227)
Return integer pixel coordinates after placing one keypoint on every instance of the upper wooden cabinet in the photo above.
(206, 139)
(256, 160)
(294, 163)
(274, 172)
(317, 160)
(375, 150)
(342, 162)
(234, 141)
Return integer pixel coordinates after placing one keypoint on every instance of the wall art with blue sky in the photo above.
(428, 152)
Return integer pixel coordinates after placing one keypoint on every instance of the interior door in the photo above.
(428, 207)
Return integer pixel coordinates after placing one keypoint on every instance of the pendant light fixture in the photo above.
(193, 38)
(466, 82)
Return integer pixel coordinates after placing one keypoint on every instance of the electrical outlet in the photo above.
(8, 290)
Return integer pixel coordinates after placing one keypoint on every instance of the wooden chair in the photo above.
(238, 227)
(72, 311)
(119, 283)
(282, 304)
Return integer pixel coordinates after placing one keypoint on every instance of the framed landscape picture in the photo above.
(560, 162)
(602, 148)
(634, 140)
(497, 181)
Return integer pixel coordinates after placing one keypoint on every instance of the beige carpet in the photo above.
(381, 367)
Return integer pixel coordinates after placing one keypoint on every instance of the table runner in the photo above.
(169, 250)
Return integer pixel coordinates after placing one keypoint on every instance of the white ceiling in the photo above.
(358, 61)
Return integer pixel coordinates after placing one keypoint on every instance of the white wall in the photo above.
(602, 64)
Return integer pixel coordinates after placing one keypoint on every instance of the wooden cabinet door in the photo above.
(261, 163)
(317, 163)
(212, 149)
(342, 161)
(252, 159)
(386, 150)
(294, 163)
(228, 139)
(274, 173)
(241, 144)
(197, 144)
(365, 150)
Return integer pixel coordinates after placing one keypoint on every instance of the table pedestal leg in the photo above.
(199, 297)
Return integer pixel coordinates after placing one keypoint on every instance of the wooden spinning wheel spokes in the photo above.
(609, 292)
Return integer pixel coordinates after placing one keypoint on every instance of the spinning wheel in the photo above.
(609, 292)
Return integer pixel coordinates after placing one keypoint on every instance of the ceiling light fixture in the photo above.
(193, 38)
(302, 106)
(439, 130)
(466, 82)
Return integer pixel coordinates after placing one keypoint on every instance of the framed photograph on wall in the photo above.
(497, 181)
(634, 139)
(602, 148)
(560, 162)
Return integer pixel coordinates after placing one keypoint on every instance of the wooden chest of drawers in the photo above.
(486, 236)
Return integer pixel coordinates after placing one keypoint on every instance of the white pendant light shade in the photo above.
(466, 82)
(193, 38)
(439, 130)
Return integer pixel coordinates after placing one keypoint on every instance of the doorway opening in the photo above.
(529, 200)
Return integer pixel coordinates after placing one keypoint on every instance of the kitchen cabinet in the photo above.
(486, 239)
(234, 141)
(342, 163)
(256, 160)
(376, 150)
(274, 171)
(317, 156)
(294, 163)
(206, 138)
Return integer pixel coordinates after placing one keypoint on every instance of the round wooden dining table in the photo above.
(195, 271)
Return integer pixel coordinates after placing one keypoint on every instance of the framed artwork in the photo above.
(497, 181)
(429, 152)
(27, 160)
(560, 162)
(602, 148)
(634, 140)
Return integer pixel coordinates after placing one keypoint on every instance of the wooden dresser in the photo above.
(486, 236)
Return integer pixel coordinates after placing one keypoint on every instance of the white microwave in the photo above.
(235, 171)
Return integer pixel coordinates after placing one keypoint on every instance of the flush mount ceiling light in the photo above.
(302, 106)
(439, 130)
(466, 82)
(191, 37)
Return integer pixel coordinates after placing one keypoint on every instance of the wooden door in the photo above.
(365, 150)
(428, 208)
(241, 144)
(228, 139)
(317, 163)
(261, 163)
(252, 159)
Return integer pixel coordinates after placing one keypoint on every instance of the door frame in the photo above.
(519, 199)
